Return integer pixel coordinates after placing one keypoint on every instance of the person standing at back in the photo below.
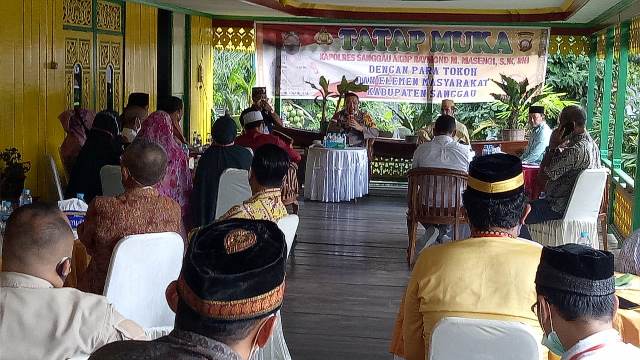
(260, 102)
(140, 210)
(39, 318)
(221, 155)
(539, 137)
(576, 304)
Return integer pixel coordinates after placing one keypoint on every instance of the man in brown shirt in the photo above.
(39, 318)
(139, 210)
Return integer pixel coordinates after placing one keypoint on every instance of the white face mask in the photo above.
(129, 134)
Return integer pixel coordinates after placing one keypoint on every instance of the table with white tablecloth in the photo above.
(334, 175)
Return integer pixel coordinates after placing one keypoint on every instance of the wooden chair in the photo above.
(290, 188)
(435, 197)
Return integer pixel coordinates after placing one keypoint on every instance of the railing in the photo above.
(622, 201)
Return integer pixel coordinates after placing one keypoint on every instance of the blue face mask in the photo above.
(552, 341)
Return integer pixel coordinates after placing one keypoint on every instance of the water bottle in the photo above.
(185, 148)
(80, 196)
(25, 198)
(584, 239)
(5, 210)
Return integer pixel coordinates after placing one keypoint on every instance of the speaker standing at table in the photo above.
(356, 124)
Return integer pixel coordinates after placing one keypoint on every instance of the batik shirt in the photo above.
(538, 142)
(265, 205)
(178, 345)
(461, 135)
(580, 153)
(354, 137)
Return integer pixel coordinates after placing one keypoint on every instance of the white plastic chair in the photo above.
(289, 225)
(141, 268)
(111, 179)
(233, 189)
(56, 178)
(477, 339)
(581, 214)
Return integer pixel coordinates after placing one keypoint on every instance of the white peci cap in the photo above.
(251, 117)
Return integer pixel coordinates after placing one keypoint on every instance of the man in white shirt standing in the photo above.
(576, 304)
(443, 152)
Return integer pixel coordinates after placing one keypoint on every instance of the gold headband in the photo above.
(496, 187)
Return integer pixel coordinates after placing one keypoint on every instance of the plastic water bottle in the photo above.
(584, 239)
(25, 198)
(5, 210)
(185, 148)
(80, 196)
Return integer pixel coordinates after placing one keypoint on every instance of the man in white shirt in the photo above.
(39, 319)
(443, 152)
(576, 304)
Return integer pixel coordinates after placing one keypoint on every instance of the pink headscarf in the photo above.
(177, 182)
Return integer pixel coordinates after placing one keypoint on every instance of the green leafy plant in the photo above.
(233, 78)
(516, 98)
(13, 174)
(323, 89)
(346, 86)
(413, 117)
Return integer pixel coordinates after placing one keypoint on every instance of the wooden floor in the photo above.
(345, 279)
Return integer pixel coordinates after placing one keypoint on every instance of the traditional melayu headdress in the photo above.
(495, 176)
(576, 269)
(234, 270)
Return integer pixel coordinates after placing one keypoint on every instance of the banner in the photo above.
(405, 64)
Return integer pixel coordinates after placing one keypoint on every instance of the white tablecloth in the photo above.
(335, 175)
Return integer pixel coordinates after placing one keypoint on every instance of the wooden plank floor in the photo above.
(345, 278)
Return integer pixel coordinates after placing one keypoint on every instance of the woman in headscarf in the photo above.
(101, 148)
(629, 258)
(221, 155)
(177, 181)
(76, 123)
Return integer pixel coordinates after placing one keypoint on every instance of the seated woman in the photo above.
(355, 123)
(101, 148)
(177, 183)
(629, 258)
(221, 155)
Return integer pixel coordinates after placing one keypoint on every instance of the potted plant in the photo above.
(323, 89)
(517, 98)
(13, 174)
(413, 121)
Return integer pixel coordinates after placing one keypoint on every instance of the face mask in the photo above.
(129, 134)
(552, 341)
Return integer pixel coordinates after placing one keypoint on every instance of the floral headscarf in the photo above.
(177, 182)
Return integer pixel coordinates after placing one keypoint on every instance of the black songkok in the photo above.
(224, 130)
(536, 110)
(258, 91)
(138, 99)
(576, 269)
(234, 270)
(495, 176)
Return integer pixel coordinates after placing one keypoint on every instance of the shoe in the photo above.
(430, 236)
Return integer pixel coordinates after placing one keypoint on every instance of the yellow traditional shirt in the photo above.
(461, 135)
(486, 278)
(265, 205)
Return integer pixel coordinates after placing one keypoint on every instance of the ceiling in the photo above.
(520, 11)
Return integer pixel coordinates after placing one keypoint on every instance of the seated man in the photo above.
(268, 168)
(461, 135)
(221, 155)
(571, 150)
(357, 124)
(225, 302)
(260, 102)
(577, 303)
(139, 210)
(487, 276)
(443, 152)
(629, 259)
(132, 119)
(256, 134)
(39, 318)
(539, 137)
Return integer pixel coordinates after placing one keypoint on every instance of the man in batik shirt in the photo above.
(461, 135)
(355, 123)
(268, 168)
(571, 150)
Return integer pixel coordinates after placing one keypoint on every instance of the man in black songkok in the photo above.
(576, 304)
(230, 287)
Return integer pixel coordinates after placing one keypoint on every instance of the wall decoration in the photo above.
(76, 13)
(109, 16)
